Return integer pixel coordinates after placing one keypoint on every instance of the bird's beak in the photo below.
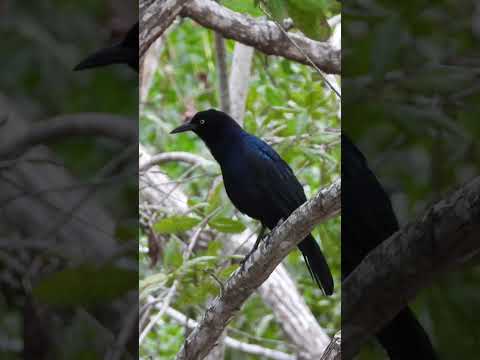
(111, 55)
(188, 126)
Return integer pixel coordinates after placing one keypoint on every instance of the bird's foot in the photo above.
(244, 260)
(268, 236)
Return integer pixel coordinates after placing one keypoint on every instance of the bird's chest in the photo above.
(243, 189)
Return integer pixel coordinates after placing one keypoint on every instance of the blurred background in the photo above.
(65, 236)
(289, 106)
(411, 103)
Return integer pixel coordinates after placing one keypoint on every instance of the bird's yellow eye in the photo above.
(202, 121)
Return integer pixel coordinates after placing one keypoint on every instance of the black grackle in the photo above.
(367, 220)
(258, 181)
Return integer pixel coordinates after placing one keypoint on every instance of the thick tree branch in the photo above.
(257, 268)
(446, 238)
(281, 295)
(334, 349)
(262, 35)
(61, 127)
(155, 17)
(28, 205)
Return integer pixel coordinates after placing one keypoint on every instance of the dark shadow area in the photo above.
(68, 182)
(411, 105)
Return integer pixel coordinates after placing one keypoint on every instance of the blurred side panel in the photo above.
(410, 151)
(68, 182)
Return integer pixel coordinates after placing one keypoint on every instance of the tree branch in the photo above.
(281, 295)
(334, 349)
(64, 126)
(148, 67)
(155, 17)
(222, 72)
(28, 206)
(233, 343)
(257, 268)
(181, 156)
(394, 272)
(239, 80)
(262, 35)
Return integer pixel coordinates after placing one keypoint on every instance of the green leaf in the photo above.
(225, 273)
(198, 263)
(152, 283)
(214, 199)
(227, 225)
(273, 96)
(175, 224)
(312, 23)
(85, 285)
(172, 257)
(277, 8)
(213, 248)
(308, 15)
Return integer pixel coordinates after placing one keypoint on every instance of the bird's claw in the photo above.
(267, 237)
(244, 260)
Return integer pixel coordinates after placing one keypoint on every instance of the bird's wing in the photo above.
(367, 214)
(275, 178)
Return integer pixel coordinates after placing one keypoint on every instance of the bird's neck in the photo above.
(226, 144)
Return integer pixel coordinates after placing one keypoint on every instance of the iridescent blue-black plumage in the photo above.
(257, 180)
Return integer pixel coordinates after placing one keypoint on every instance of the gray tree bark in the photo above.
(446, 238)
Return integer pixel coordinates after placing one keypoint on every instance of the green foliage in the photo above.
(173, 254)
(85, 285)
(164, 343)
(287, 105)
(416, 119)
(175, 224)
(42, 42)
(310, 16)
(152, 283)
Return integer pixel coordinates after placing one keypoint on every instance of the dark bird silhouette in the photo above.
(125, 52)
(367, 220)
(258, 181)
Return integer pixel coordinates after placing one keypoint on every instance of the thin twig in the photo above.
(253, 349)
(173, 289)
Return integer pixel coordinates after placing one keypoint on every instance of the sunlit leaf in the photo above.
(175, 224)
(172, 257)
(227, 225)
(311, 21)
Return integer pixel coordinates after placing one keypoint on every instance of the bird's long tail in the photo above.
(405, 338)
(317, 265)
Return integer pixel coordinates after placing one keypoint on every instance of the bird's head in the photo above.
(125, 52)
(210, 125)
